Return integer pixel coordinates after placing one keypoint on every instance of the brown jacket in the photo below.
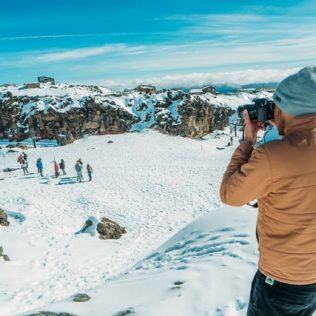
(282, 176)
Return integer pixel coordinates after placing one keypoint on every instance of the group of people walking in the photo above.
(58, 167)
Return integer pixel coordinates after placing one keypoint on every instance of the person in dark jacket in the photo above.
(62, 166)
(89, 171)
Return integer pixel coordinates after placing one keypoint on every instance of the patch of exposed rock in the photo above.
(198, 118)
(128, 311)
(81, 297)
(50, 314)
(4, 218)
(109, 229)
(95, 115)
(5, 257)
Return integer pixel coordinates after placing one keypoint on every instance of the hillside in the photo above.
(67, 112)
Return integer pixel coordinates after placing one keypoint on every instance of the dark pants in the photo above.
(280, 299)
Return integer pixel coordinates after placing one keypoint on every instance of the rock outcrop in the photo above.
(198, 118)
(22, 117)
(70, 115)
(3, 218)
(81, 297)
(51, 314)
(109, 229)
(5, 257)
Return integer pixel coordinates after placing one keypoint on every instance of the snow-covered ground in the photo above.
(205, 269)
(152, 184)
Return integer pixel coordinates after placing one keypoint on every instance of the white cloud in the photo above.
(232, 78)
(80, 53)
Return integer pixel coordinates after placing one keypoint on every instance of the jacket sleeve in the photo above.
(247, 177)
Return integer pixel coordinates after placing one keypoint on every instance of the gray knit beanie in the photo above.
(296, 94)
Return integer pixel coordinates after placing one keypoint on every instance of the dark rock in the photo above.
(110, 142)
(109, 229)
(3, 218)
(12, 151)
(198, 118)
(128, 311)
(10, 146)
(96, 115)
(50, 314)
(1, 251)
(22, 146)
(10, 169)
(6, 258)
(81, 297)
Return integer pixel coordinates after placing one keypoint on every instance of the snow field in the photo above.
(150, 183)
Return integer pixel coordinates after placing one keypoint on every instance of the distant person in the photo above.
(78, 168)
(25, 159)
(20, 159)
(81, 164)
(56, 169)
(23, 164)
(89, 171)
(24, 167)
(39, 165)
(231, 140)
(62, 166)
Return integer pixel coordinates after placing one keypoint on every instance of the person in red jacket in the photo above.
(56, 169)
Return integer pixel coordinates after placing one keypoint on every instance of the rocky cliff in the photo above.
(65, 113)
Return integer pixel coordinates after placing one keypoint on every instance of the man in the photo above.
(39, 165)
(89, 171)
(281, 174)
(78, 168)
(62, 166)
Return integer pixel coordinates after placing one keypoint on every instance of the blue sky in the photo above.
(168, 43)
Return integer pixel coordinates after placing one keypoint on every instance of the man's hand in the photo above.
(251, 129)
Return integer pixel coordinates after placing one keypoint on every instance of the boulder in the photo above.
(10, 146)
(10, 169)
(22, 146)
(6, 258)
(3, 218)
(109, 229)
(81, 297)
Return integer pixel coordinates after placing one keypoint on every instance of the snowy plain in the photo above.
(152, 184)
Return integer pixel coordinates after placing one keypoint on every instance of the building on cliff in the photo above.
(149, 89)
(206, 89)
(44, 79)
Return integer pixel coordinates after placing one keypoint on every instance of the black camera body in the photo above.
(260, 110)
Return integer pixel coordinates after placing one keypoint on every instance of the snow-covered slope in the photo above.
(152, 184)
(205, 269)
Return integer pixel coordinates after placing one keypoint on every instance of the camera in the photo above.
(260, 110)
